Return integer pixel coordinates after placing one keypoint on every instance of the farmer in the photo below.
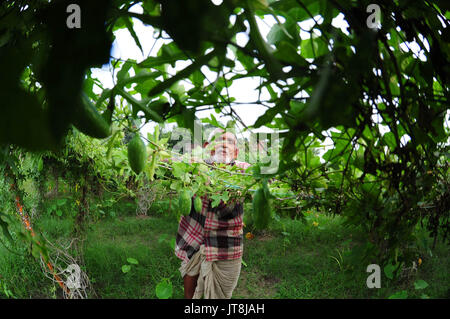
(210, 243)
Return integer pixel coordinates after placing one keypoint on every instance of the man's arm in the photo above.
(242, 165)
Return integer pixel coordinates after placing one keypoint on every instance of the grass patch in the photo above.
(111, 242)
(292, 259)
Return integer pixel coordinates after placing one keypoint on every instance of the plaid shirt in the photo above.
(220, 229)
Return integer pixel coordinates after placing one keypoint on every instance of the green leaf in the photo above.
(151, 7)
(219, 197)
(110, 144)
(389, 270)
(246, 61)
(162, 238)
(40, 165)
(197, 78)
(123, 73)
(186, 119)
(129, 24)
(268, 116)
(164, 290)
(126, 268)
(152, 62)
(149, 114)
(300, 14)
(4, 226)
(177, 89)
(172, 243)
(389, 140)
(276, 34)
(145, 81)
(179, 169)
(176, 185)
(420, 284)
(213, 121)
(286, 52)
(259, 4)
(399, 295)
(312, 48)
(197, 64)
(132, 261)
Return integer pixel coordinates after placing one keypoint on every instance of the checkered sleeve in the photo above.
(219, 228)
(223, 232)
(190, 233)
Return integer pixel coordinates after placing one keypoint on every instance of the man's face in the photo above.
(224, 148)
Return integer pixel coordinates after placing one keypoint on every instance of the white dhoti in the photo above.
(217, 279)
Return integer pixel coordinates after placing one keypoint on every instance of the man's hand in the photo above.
(195, 160)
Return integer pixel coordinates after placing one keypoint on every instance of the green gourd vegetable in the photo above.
(198, 205)
(137, 154)
(185, 202)
(89, 121)
(261, 209)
